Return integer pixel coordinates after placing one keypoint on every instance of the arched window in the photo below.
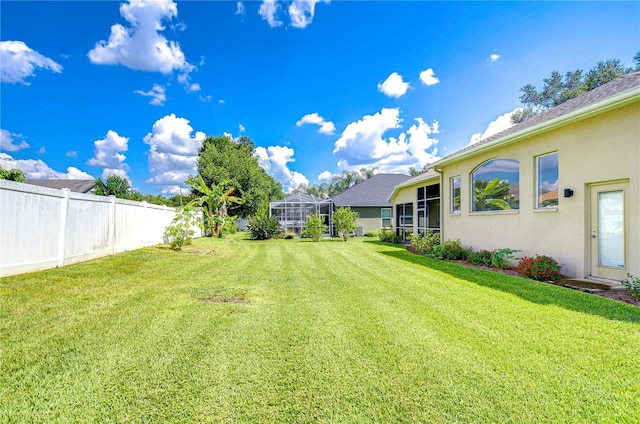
(495, 185)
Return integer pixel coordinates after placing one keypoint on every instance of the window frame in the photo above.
(537, 204)
(452, 210)
(472, 185)
(383, 218)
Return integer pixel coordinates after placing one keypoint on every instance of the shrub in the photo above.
(450, 249)
(264, 227)
(481, 257)
(345, 222)
(230, 225)
(388, 236)
(425, 242)
(372, 234)
(541, 268)
(289, 235)
(500, 258)
(182, 228)
(632, 284)
(314, 228)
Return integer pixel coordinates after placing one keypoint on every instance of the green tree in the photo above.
(13, 174)
(345, 222)
(232, 160)
(115, 185)
(214, 201)
(315, 227)
(490, 195)
(559, 88)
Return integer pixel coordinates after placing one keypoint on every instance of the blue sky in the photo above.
(132, 88)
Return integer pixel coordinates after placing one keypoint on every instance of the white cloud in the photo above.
(501, 123)
(19, 62)
(362, 143)
(268, 10)
(241, 128)
(326, 127)
(72, 154)
(428, 77)
(156, 93)
(108, 154)
(193, 88)
(38, 170)
(393, 86)
(141, 46)
(8, 144)
(205, 99)
(173, 152)
(324, 176)
(221, 101)
(493, 58)
(240, 8)
(274, 160)
(42, 150)
(301, 12)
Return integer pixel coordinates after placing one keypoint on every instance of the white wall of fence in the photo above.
(42, 228)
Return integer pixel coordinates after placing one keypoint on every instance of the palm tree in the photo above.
(490, 195)
(214, 202)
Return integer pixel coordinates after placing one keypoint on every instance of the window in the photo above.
(495, 185)
(428, 208)
(547, 189)
(455, 195)
(385, 213)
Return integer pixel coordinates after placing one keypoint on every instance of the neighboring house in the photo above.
(76, 186)
(370, 199)
(565, 183)
(417, 205)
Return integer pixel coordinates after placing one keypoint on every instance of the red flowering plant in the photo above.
(541, 268)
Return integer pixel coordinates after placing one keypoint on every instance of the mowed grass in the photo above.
(351, 332)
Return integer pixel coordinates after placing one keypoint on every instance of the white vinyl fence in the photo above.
(43, 228)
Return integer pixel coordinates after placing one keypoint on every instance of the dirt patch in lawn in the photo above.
(239, 301)
(620, 295)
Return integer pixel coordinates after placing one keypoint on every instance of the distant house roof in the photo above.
(619, 92)
(77, 186)
(374, 191)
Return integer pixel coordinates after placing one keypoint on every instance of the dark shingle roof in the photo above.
(619, 85)
(77, 186)
(374, 191)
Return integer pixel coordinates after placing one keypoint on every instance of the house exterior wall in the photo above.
(370, 218)
(604, 148)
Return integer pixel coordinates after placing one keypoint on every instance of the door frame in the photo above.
(594, 270)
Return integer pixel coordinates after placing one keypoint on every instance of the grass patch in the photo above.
(334, 332)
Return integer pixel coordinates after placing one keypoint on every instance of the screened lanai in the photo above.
(292, 211)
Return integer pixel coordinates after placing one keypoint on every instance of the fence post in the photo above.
(62, 236)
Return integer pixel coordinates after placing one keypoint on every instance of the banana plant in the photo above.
(214, 201)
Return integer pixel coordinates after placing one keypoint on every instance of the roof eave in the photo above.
(603, 106)
(409, 184)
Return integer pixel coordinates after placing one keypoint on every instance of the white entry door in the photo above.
(608, 235)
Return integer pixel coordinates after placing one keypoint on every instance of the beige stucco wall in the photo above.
(599, 149)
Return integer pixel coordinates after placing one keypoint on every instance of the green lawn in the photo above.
(351, 332)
